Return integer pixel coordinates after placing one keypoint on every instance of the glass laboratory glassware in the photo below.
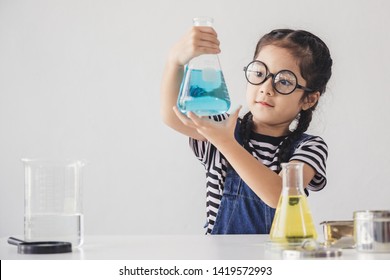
(53, 201)
(293, 223)
(203, 89)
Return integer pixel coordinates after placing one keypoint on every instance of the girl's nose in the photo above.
(267, 87)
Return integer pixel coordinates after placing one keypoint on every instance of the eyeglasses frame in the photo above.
(269, 74)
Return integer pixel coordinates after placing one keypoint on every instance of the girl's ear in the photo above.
(310, 100)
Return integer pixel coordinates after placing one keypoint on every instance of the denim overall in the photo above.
(241, 211)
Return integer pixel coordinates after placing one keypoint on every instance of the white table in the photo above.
(173, 247)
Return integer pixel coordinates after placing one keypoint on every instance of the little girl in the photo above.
(242, 156)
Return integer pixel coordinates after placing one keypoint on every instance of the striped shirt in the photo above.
(312, 151)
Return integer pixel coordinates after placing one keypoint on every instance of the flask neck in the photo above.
(204, 60)
(292, 177)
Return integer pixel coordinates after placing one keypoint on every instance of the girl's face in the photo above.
(273, 112)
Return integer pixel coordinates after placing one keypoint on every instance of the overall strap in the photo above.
(298, 142)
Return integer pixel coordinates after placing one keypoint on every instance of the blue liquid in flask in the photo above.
(203, 92)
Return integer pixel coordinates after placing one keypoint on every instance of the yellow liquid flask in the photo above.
(293, 223)
(203, 89)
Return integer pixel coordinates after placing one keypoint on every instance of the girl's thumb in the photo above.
(236, 112)
(234, 116)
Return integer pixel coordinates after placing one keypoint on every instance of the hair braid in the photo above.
(304, 119)
(246, 128)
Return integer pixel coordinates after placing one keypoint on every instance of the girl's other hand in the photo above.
(198, 40)
(218, 133)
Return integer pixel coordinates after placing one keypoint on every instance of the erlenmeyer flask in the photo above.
(203, 89)
(293, 222)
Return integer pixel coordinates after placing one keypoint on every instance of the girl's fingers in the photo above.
(207, 45)
(186, 121)
(195, 119)
(212, 40)
(206, 29)
(205, 38)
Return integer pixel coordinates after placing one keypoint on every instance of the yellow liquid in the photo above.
(293, 222)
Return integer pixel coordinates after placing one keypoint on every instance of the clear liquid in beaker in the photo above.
(55, 227)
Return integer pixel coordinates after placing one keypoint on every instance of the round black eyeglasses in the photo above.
(284, 82)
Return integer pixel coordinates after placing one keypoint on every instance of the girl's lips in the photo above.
(264, 103)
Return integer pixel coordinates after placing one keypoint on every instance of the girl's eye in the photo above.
(285, 83)
(285, 79)
(259, 74)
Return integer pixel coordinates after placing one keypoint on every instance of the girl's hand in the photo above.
(199, 40)
(218, 133)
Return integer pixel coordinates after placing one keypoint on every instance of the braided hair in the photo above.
(315, 63)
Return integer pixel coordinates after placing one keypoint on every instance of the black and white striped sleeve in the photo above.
(201, 150)
(204, 150)
(313, 152)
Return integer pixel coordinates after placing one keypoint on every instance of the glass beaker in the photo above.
(53, 201)
(293, 222)
(203, 89)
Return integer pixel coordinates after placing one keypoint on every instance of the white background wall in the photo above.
(80, 79)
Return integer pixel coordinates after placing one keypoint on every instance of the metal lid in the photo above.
(345, 222)
(371, 214)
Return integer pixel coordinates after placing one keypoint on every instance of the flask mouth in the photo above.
(292, 178)
(203, 21)
(292, 164)
(54, 162)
